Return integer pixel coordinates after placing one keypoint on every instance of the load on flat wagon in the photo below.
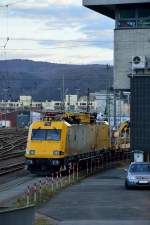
(55, 143)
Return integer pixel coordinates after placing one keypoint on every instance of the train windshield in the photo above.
(46, 135)
(53, 135)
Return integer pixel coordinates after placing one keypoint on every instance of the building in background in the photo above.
(26, 110)
(26, 101)
(71, 103)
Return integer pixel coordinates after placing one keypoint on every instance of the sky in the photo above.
(57, 31)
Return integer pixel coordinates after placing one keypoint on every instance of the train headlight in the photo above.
(30, 152)
(57, 152)
(27, 151)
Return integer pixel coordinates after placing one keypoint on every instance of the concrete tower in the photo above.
(131, 34)
(131, 60)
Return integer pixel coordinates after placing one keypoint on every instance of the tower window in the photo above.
(127, 23)
(143, 23)
(133, 18)
(144, 13)
(127, 14)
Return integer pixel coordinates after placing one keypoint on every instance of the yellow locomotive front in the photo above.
(46, 145)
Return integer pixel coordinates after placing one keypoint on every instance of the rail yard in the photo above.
(12, 149)
(22, 188)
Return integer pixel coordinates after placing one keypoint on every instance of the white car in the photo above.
(138, 175)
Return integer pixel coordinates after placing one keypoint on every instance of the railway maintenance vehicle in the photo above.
(60, 140)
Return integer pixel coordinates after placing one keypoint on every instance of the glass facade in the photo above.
(133, 18)
(127, 14)
(144, 13)
(140, 113)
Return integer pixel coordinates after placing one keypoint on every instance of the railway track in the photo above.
(11, 168)
(12, 155)
(12, 149)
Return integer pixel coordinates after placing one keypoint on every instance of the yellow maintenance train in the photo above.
(60, 140)
(56, 142)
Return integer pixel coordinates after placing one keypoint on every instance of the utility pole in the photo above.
(31, 112)
(88, 100)
(109, 108)
(69, 103)
(5, 102)
(77, 92)
(115, 122)
(63, 93)
(5, 114)
(120, 107)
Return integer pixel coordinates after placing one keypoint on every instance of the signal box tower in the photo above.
(131, 60)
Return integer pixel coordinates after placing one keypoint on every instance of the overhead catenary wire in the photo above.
(54, 47)
(67, 44)
(5, 45)
(59, 40)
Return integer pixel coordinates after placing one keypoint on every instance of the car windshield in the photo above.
(45, 134)
(137, 168)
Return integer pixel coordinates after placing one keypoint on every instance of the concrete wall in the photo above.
(128, 43)
(23, 216)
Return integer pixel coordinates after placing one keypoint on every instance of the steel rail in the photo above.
(11, 168)
(12, 155)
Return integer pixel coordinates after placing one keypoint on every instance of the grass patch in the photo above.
(42, 222)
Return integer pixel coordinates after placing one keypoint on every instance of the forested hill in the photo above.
(43, 80)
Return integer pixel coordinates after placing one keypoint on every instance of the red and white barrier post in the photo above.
(69, 176)
(28, 195)
(35, 192)
(60, 176)
(52, 183)
(46, 183)
(57, 180)
(40, 188)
